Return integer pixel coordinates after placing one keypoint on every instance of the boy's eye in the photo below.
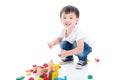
(71, 18)
(64, 17)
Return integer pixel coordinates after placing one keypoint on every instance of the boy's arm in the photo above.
(79, 48)
(57, 41)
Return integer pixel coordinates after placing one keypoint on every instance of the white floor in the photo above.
(72, 73)
(104, 69)
(25, 31)
(65, 70)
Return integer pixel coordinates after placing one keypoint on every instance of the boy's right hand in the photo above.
(50, 45)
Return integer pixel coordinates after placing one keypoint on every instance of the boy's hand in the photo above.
(50, 45)
(64, 53)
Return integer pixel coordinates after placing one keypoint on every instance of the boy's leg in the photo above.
(83, 56)
(65, 45)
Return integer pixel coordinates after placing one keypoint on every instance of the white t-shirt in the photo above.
(75, 35)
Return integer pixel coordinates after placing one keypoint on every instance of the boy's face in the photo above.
(69, 20)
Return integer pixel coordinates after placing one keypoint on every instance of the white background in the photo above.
(27, 25)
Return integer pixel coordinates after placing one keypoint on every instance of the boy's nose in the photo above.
(67, 19)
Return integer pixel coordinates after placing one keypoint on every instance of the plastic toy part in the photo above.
(88, 60)
(34, 65)
(45, 65)
(31, 78)
(97, 60)
(48, 71)
(28, 73)
(65, 78)
(20, 78)
(40, 79)
(90, 77)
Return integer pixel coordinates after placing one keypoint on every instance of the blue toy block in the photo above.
(65, 78)
(58, 79)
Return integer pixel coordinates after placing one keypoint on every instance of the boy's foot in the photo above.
(66, 61)
(81, 64)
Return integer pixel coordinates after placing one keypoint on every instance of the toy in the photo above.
(20, 78)
(65, 78)
(35, 68)
(48, 71)
(40, 79)
(31, 78)
(97, 60)
(90, 77)
(55, 72)
(28, 73)
(88, 60)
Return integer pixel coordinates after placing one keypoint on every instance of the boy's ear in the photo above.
(60, 19)
(77, 19)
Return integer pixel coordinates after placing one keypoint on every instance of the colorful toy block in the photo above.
(48, 71)
(97, 60)
(28, 73)
(65, 78)
(90, 77)
(31, 78)
(45, 65)
(40, 79)
(20, 78)
(54, 75)
(88, 60)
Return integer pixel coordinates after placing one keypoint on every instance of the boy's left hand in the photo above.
(64, 53)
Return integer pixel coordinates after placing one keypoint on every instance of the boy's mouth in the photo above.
(67, 24)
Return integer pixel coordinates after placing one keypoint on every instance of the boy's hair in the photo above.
(68, 9)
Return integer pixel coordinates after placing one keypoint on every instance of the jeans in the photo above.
(65, 45)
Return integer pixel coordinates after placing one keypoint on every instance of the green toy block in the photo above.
(20, 78)
(90, 77)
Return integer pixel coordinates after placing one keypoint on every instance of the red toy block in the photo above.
(46, 78)
(34, 65)
(31, 70)
(45, 65)
(40, 66)
(34, 71)
(44, 75)
(31, 78)
(97, 60)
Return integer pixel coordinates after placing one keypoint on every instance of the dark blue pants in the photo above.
(65, 45)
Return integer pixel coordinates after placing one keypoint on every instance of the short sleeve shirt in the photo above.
(75, 35)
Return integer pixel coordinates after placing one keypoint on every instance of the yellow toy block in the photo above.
(28, 73)
(55, 75)
(56, 67)
(88, 60)
(40, 79)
